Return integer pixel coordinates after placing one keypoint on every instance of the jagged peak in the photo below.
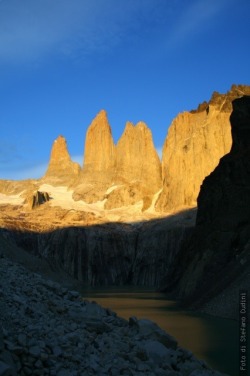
(59, 149)
(102, 114)
(60, 138)
(99, 145)
(100, 120)
(141, 125)
(60, 163)
(223, 101)
(131, 127)
(243, 89)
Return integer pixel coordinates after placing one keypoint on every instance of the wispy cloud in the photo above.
(78, 159)
(13, 162)
(24, 172)
(159, 151)
(11, 170)
(30, 29)
(194, 18)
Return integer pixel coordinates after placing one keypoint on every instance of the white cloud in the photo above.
(30, 29)
(195, 18)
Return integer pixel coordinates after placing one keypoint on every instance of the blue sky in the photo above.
(62, 61)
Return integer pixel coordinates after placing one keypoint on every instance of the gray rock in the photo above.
(27, 371)
(6, 357)
(1, 340)
(73, 295)
(35, 351)
(206, 372)
(22, 339)
(57, 351)
(6, 370)
(80, 339)
(156, 350)
(94, 310)
(151, 330)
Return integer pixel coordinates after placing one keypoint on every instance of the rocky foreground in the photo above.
(46, 329)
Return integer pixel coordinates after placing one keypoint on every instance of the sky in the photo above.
(62, 61)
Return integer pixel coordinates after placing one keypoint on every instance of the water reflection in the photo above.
(211, 339)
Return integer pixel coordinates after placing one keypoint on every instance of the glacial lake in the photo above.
(214, 340)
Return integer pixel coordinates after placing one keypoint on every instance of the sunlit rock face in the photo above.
(99, 151)
(137, 168)
(195, 143)
(219, 250)
(132, 167)
(130, 173)
(99, 161)
(61, 169)
(137, 159)
(120, 183)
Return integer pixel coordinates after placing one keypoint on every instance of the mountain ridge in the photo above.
(118, 223)
(129, 176)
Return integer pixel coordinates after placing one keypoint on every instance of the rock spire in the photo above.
(61, 168)
(132, 166)
(99, 151)
(137, 159)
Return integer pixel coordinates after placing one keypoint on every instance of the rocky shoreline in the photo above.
(47, 329)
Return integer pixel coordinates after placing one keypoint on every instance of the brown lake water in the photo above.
(214, 340)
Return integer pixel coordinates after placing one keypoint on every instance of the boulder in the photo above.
(36, 199)
(149, 329)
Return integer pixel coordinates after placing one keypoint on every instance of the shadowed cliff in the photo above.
(217, 255)
(138, 254)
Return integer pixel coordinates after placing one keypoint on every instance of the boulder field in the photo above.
(46, 329)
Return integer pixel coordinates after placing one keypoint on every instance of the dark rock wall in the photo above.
(219, 249)
(111, 254)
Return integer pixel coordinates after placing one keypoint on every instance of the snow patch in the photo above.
(11, 199)
(151, 209)
(112, 188)
(61, 196)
